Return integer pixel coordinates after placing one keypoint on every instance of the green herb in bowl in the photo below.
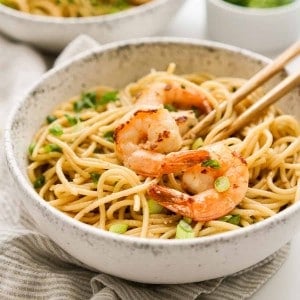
(260, 3)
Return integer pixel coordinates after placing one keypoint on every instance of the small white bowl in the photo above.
(265, 30)
(52, 34)
(140, 259)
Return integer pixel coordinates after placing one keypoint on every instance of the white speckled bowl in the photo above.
(143, 260)
(52, 33)
(265, 30)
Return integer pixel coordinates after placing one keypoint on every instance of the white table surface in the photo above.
(285, 284)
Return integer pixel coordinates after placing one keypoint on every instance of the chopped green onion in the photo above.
(211, 163)
(77, 106)
(111, 96)
(56, 130)
(184, 230)
(52, 148)
(222, 184)
(197, 143)
(118, 228)
(154, 207)
(109, 136)
(232, 219)
(95, 177)
(187, 220)
(196, 112)
(170, 107)
(39, 182)
(87, 100)
(31, 148)
(72, 120)
(50, 119)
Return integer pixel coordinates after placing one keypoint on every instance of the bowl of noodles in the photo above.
(50, 25)
(113, 165)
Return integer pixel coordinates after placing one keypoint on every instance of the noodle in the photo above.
(73, 163)
(74, 8)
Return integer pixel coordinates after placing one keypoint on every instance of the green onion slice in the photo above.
(109, 136)
(232, 219)
(56, 130)
(31, 148)
(50, 119)
(170, 107)
(111, 96)
(95, 177)
(39, 182)
(72, 120)
(222, 184)
(118, 228)
(212, 163)
(197, 143)
(154, 207)
(184, 230)
(52, 148)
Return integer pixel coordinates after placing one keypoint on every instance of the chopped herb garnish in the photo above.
(87, 100)
(98, 150)
(31, 148)
(212, 163)
(50, 119)
(170, 107)
(118, 228)
(56, 130)
(154, 207)
(222, 184)
(39, 182)
(184, 230)
(232, 219)
(196, 112)
(111, 96)
(187, 220)
(72, 120)
(52, 148)
(95, 177)
(197, 143)
(109, 136)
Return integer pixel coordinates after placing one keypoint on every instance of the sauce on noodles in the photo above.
(74, 165)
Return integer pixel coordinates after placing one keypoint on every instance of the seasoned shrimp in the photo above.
(216, 186)
(175, 93)
(148, 141)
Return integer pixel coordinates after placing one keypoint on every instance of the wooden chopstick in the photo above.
(268, 99)
(253, 83)
(266, 73)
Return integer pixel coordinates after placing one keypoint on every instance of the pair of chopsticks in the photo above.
(269, 98)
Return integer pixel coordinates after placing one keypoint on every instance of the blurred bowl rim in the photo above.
(83, 20)
(233, 8)
(24, 184)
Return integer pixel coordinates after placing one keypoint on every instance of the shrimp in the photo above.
(205, 202)
(148, 143)
(185, 120)
(175, 93)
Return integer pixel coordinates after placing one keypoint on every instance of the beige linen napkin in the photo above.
(34, 267)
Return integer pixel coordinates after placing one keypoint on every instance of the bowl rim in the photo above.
(255, 11)
(154, 4)
(98, 233)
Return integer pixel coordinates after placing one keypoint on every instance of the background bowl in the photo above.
(266, 30)
(143, 260)
(52, 33)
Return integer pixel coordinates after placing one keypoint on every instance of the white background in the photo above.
(285, 284)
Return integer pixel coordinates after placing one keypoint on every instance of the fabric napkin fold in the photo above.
(34, 267)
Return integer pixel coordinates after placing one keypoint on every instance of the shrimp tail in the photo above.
(173, 200)
(180, 161)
